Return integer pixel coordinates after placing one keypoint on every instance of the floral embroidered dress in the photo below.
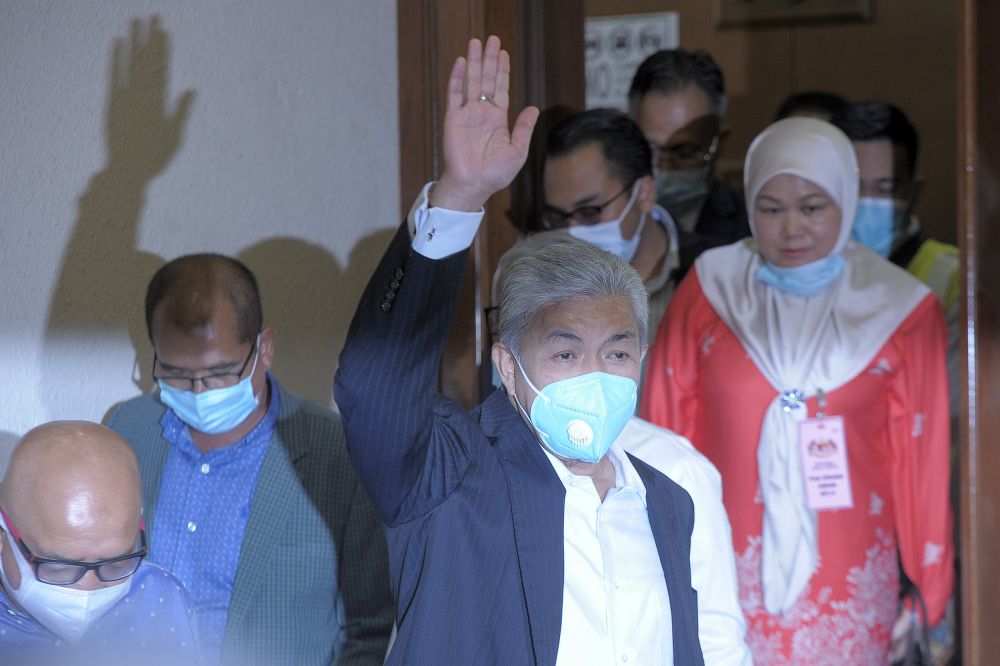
(702, 384)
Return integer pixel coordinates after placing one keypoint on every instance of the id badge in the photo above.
(823, 451)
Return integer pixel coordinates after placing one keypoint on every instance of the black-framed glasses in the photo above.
(67, 572)
(209, 382)
(554, 218)
(685, 155)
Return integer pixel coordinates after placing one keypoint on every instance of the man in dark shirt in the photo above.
(678, 99)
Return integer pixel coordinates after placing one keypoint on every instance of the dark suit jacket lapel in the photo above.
(537, 503)
(272, 500)
(674, 548)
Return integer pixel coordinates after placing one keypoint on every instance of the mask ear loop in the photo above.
(256, 356)
(639, 229)
(538, 395)
(621, 218)
(631, 202)
(253, 369)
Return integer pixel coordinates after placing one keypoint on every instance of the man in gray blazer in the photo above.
(250, 497)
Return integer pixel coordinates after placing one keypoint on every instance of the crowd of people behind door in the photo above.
(721, 431)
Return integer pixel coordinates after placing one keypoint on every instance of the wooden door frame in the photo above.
(979, 236)
(541, 36)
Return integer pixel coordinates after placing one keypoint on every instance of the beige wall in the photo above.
(906, 55)
(286, 155)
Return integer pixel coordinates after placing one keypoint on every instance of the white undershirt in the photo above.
(616, 609)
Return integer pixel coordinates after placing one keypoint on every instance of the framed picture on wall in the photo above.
(733, 13)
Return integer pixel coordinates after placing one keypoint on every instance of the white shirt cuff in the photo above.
(438, 232)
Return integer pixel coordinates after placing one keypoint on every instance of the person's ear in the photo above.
(268, 339)
(647, 194)
(506, 366)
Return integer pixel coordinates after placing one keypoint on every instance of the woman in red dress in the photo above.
(812, 373)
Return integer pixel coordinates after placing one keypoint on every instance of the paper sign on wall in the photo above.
(617, 45)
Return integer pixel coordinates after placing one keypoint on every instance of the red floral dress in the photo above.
(701, 383)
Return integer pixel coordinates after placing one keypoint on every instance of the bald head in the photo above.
(188, 292)
(73, 491)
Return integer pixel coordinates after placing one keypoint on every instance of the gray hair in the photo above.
(561, 271)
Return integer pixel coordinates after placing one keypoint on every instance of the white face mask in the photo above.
(608, 235)
(64, 611)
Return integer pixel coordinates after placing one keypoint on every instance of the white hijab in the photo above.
(802, 343)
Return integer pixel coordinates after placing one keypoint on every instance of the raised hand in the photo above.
(143, 130)
(481, 155)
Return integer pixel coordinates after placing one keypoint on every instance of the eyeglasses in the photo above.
(554, 218)
(214, 381)
(688, 155)
(67, 572)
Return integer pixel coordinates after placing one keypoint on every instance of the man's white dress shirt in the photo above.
(615, 603)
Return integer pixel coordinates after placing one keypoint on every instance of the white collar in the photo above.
(626, 476)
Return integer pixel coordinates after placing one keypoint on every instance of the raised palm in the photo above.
(481, 155)
(143, 132)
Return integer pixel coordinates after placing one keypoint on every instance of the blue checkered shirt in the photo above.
(201, 516)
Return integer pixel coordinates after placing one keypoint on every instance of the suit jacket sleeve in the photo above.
(400, 434)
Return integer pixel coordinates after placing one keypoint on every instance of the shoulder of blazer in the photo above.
(138, 421)
(303, 427)
(313, 439)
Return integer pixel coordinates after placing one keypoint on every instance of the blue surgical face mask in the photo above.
(878, 223)
(608, 235)
(580, 418)
(215, 411)
(804, 280)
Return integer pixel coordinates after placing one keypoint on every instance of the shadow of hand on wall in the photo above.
(98, 298)
(298, 284)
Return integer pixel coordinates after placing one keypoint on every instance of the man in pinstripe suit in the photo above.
(519, 532)
(249, 495)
